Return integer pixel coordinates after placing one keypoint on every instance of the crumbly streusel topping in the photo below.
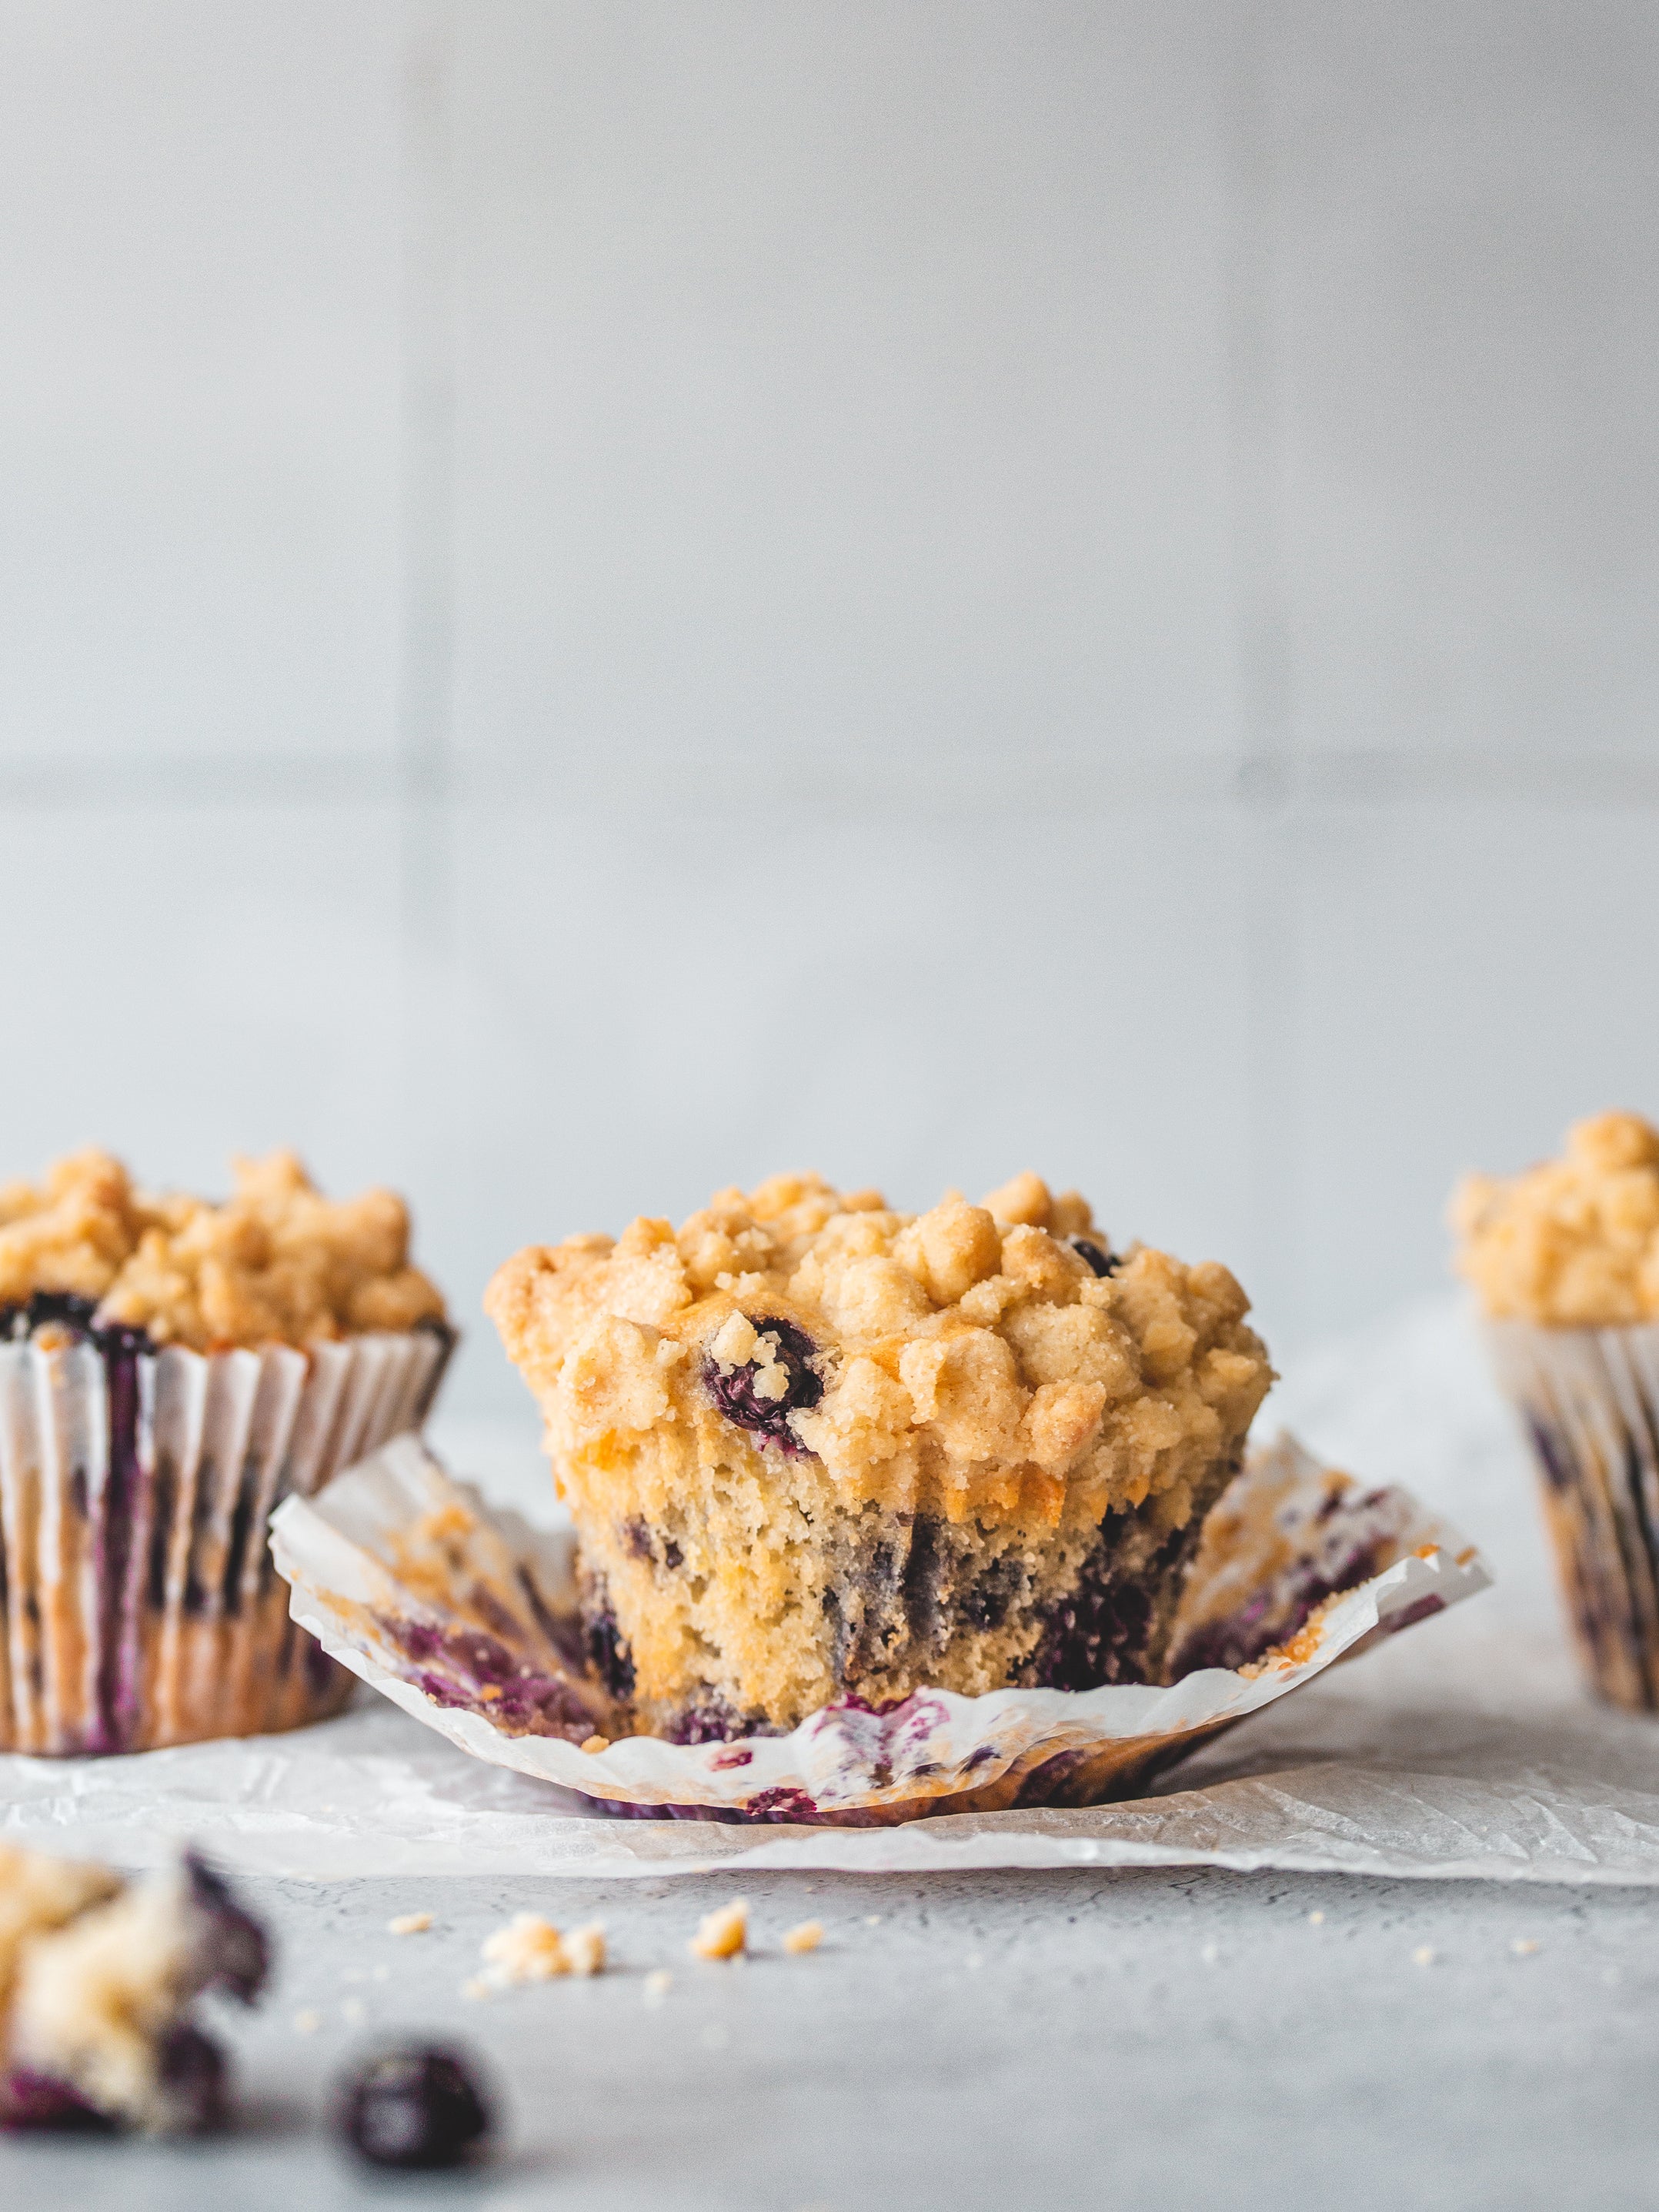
(972, 1359)
(1573, 1242)
(276, 1262)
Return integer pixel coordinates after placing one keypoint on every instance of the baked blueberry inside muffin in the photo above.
(815, 1448)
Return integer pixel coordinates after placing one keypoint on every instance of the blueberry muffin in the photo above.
(1564, 1260)
(170, 1368)
(816, 1449)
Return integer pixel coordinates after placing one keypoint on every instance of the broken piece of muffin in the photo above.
(98, 1980)
(816, 1449)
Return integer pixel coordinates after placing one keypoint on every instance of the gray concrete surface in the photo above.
(1151, 2041)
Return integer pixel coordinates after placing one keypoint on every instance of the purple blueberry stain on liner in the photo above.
(456, 1668)
(120, 1515)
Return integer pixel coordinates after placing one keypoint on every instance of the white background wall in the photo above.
(599, 599)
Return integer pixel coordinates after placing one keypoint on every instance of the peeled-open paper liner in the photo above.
(464, 1617)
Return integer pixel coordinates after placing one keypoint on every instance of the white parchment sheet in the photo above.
(1463, 1748)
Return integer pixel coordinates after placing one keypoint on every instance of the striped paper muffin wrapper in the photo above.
(466, 1618)
(138, 1604)
(1588, 1401)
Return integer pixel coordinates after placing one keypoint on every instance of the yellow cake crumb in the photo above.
(657, 1983)
(585, 1948)
(409, 1923)
(528, 1949)
(531, 1949)
(724, 1934)
(807, 1935)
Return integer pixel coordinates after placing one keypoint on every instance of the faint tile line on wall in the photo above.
(1023, 782)
(186, 782)
(426, 672)
(1266, 775)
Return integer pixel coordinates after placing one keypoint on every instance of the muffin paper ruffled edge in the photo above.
(1588, 1404)
(139, 1605)
(463, 1615)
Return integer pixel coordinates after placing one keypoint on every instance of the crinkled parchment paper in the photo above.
(1463, 1748)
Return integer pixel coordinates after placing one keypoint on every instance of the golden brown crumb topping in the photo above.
(1573, 1242)
(975, 1357)
(277, 1262)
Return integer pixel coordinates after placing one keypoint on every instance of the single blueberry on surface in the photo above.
(1095, 1256)
(733, 1390)
(414, 2105)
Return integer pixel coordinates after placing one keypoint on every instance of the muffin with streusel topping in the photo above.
(816, 1449)
(1564, 1259)
(170, 1369)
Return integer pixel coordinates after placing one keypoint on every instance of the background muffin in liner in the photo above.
(468, 1619)
(140, 1459)
(1564, 1258)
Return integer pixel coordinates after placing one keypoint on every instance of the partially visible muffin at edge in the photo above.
(1572, 1243)
(1564, 1259)
(171, 1369)
(816, 1448)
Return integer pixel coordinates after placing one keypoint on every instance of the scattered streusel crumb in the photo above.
(596, 1743)
(805, 1938)
(1524, 1945)
(528, 1949)
(531, 1949)
(409, 1923)
(657, 1983)
(308, 2022)
(275, 1262)
(585, 1948)
(476, 1988)
(723, 1934)
(1316, 1919)
(1425, 1955)
(873, 1919)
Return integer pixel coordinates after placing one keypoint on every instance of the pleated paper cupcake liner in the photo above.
(139, 1606)
(466, 1618)
(1588, 1398)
